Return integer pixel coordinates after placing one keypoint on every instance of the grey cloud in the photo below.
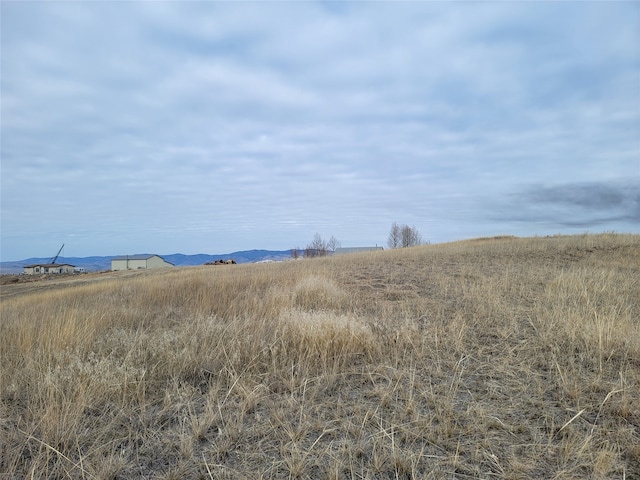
(598, 196)
(587, 204)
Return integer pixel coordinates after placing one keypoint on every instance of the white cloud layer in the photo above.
(219, 126)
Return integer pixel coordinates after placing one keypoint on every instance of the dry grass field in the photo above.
(505, 358)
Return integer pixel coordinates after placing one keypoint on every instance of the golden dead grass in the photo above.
(490, 358)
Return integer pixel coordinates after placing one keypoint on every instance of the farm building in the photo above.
(345, 250)
(43, 268)
(137, 262)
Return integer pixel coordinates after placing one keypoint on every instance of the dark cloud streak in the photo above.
(581, 204)
(600, 196)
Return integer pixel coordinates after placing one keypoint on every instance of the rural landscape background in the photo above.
(497, 358)
(97, 263)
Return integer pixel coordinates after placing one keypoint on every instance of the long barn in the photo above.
(138, 262)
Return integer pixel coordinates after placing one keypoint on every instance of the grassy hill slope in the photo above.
(491, 358)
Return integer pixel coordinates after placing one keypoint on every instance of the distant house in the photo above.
(138, 262)
(345, 250)
(46, 268)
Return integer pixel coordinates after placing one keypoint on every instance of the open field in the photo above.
(491, 358)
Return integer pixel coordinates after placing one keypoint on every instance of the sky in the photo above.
(214, 127)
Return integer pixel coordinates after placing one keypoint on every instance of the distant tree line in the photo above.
(400, 236)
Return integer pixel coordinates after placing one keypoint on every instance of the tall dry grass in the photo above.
(491, 358)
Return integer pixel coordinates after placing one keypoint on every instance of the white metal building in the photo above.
(138, 262)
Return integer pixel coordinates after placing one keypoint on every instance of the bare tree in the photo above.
(333, 243)
(402, 236)
(410, 236)
(320, 248)
(395, 236)
(317, 248)
(295, 253)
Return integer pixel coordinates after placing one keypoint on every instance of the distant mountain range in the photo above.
(93, 264)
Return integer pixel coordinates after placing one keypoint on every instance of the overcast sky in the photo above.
(213, 127)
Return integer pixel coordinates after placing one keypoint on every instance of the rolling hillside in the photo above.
(503, 358)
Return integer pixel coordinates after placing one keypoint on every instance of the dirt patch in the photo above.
(15, 285)
(11, 279)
